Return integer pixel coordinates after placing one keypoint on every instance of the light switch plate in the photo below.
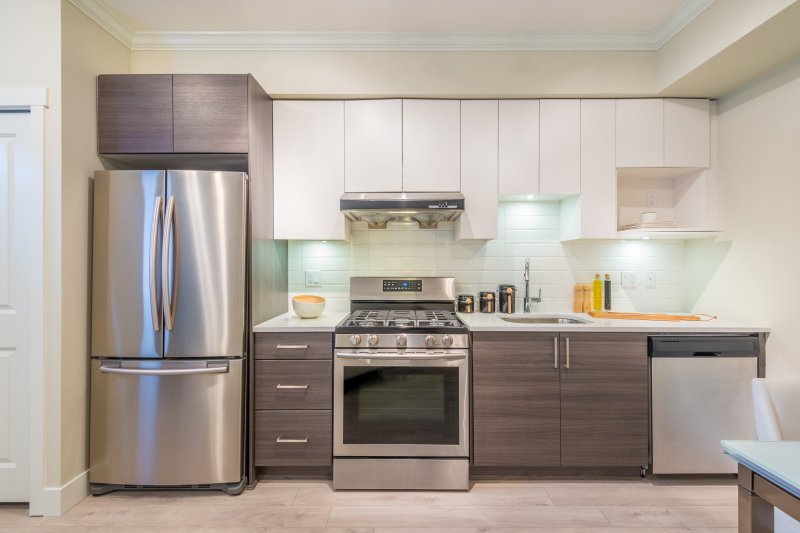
(313, 278)
(650, 280)
(630, 280)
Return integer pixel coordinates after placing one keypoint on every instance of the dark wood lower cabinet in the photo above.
(604, 400)
(590, 411)
(293, 438)
(515, 398)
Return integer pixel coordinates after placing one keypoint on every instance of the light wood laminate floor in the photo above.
(511, 507)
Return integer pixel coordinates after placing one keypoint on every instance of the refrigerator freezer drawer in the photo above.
(166, 422)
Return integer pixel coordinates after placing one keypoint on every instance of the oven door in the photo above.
(401, 404)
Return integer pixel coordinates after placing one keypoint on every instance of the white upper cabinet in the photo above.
(560, 146)
(640, 133)
(686, 132)
(478, 170)
(373, 145)
(518, 164)
(663, 133)
(431, 145)
(309, 169)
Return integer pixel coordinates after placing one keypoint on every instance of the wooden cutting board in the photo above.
(648, 316)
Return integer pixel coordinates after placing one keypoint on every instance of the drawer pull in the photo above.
(281, 440)
(292, 386)
(292, 346)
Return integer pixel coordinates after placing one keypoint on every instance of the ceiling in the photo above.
(472, 24)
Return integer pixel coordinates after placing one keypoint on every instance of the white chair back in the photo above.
(776, 403)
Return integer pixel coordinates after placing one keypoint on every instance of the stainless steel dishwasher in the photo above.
(700, 394)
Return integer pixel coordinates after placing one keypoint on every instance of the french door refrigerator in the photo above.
(169, 332)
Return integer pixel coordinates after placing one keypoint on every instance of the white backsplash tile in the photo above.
(527, 229)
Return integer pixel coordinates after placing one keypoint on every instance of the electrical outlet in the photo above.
(650, 280)
(313, 278)
(651, 198)
(630, 280)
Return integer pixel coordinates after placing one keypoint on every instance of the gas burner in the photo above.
(401, 323)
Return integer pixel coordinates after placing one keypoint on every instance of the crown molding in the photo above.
(336, 41)
(106, 20)
(673, 26)
(369, 41)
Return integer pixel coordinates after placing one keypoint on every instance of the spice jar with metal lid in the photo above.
(508, 295)
(466, 303)
(488, 302)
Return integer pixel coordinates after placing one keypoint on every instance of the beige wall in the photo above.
(752, 273)
(87, 51)
(437, 74)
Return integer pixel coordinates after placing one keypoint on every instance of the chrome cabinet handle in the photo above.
(292, 386)
(292, 347)
(281, 440)
(567, 342)
(164, 371)
(555, 352)
(169, 312)
(155, 310)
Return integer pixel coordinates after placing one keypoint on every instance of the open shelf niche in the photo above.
(683, 195)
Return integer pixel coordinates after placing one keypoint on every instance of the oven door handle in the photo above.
(400, 357)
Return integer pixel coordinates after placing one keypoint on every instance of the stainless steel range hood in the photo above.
(425, 208)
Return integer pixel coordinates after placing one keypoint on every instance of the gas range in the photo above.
(402, 314)
(401, 329)
(401, 387)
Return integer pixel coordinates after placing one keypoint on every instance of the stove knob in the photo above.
(355, 340)
(401, 341)
(429, 341)
(447, 340)
(372, 340)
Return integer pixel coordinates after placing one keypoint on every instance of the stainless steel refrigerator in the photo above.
(169, 329)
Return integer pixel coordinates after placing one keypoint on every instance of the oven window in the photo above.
(397, 405)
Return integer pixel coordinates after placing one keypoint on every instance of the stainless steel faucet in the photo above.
(526, 303)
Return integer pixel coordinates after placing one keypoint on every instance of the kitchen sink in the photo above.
(545, 320)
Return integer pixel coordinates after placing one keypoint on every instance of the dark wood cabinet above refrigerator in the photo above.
(174, 113)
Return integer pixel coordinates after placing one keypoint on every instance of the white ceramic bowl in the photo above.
(649, 216)
(308, 305)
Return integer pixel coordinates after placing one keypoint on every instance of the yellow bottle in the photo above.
(597, 293)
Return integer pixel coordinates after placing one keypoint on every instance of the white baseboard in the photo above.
(59, 500)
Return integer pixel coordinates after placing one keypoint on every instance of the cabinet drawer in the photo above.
(293, 438)
(294, 346)
(293, 384)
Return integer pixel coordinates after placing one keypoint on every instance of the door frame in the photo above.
(34, 101)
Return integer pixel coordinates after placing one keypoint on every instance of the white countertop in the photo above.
(289, 322)
(327, 321)
(494, 322)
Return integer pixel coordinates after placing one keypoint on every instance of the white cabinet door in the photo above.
(598, 172)
(478, 170)
(640, 133)
(431, 145)
(560, 146)
(686, 133)
(373, 145)
(309, 169)
(518, 164)
(18, 239)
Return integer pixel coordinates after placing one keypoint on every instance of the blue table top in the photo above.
(778, 461)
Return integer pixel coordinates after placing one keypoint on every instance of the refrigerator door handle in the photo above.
(169, 311)
(218, 369)
(155, 309)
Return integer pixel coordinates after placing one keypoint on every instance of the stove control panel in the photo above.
(402, 285)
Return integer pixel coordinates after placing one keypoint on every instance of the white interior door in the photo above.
(15, 251)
